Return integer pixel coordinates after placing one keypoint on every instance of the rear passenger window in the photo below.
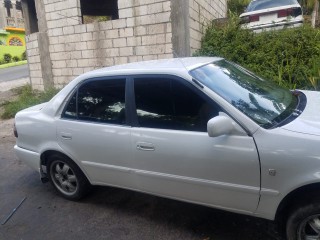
(169, 104)
(99, 101)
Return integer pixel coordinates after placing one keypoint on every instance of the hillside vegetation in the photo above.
(290, 57)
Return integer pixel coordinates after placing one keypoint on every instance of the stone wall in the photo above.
(34, 61)
(201, 14)
(142, 32)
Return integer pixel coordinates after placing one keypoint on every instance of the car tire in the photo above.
(304, 222)
(67, 178)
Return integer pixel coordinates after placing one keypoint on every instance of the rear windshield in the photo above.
(263, 4)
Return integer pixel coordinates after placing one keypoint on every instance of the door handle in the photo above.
(145, 146)
(66, 136)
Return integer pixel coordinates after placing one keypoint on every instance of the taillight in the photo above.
(254, 18)
(249, 19)
(15, 132)
(293, 12)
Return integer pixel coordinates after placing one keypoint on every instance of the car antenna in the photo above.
(193, 80)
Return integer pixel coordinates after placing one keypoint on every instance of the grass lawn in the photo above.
(13, 50)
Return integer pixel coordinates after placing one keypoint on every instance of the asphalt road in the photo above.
(13, 73)
(108, 213)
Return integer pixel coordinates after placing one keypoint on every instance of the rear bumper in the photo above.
(274, 26)
(32, 159)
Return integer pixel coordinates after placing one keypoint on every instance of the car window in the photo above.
(169, 104)
(263, 101)
(98, 101)
(264, 4)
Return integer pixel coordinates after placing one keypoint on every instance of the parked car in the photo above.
(264, 15)
(201, 130)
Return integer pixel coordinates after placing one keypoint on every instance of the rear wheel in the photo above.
(304, 223)
(67, 178)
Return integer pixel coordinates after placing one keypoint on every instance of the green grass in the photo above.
(12, 64)
(26, 98)
(13, 50)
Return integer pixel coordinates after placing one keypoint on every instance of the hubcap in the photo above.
(309, 229)
(63, 177)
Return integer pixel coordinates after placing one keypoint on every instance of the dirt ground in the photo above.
(107, 213)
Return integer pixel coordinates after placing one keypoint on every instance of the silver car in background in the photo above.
(264, 15)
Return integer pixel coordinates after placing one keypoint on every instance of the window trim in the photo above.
(76, 91)
(185, 82)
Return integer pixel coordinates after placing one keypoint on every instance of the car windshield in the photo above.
(264, 4)
(263, 101)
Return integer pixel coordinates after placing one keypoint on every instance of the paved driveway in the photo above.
(107, 213)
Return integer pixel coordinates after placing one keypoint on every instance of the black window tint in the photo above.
(102, 101)
(71, 109)
(169, 104)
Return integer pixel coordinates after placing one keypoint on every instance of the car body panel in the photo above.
(207, 171)
(309, 120)
(268, 19)
(103, 150)
(294, 157)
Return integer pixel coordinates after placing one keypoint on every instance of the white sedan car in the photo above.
(264, 15)
(201, 130)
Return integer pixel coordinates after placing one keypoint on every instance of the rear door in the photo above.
(94, 131)
(175, 157)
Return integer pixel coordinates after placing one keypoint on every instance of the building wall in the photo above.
(142, 32)
(16, 18)
(201, 14)
(34, 61)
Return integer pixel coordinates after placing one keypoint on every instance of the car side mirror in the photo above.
(220, 125)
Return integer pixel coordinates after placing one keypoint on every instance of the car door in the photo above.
(175, 157)
(94, 131)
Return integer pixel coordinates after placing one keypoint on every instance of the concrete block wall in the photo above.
(142, 32)
(202, 12)
(34, 61)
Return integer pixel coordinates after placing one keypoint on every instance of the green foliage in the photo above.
(26, 98)
(92, 19)
(237, 6)
(291, 57)
(307, 6)
(24, 55)
(16, 59)
(7, 57)
(12, 50)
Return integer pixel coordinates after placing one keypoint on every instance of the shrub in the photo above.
(7, 57)
(291, 57)
(16, 59)
(24, 55)
(237, 6)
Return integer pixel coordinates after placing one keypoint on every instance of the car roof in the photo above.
(174, 64)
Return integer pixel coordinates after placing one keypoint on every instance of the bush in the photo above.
(237, 6)
(16, 59)
(7, 57)
(24, 55)
(291, 57)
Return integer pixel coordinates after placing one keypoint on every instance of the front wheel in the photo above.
(304, 223)
(67, 178)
